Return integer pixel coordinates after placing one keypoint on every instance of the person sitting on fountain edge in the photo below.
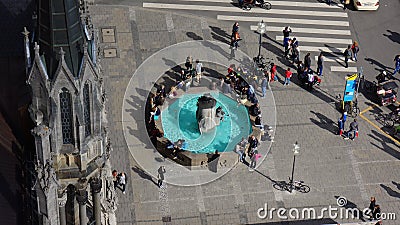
(258, 122)
(220, 113)
(255, 109)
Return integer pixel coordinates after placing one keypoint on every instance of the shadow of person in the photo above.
(390, 191)
(377, 63)
(143, 174)
(220, 32)
(397, 184)
(193, 36)
(384, 141)
(393, 36)
(324, 122)
(350, 205)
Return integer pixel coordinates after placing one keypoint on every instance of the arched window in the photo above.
(86, 109)
(66, 117)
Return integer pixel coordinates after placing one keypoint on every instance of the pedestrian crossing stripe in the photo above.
(333, 59)
(283, 20)
(321, 49)
(343, 69)
(278, 3)
(236, 9)
(319, 40)
(305, 30)
(312, 15)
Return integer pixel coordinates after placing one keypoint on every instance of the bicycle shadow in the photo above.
(282, 185)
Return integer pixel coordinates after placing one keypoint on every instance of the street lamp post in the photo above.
(296, 151)
(261, 29)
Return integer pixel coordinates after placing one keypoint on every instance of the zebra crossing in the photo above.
(318, 26)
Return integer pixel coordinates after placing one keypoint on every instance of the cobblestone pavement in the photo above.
(331, 166)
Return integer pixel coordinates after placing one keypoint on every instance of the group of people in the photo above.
(352, 133)
(248, 148)
(119, 180)
(351, 52)
(235, 79)
(291, 45)
(374, 210)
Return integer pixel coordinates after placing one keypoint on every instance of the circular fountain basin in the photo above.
(179, 122)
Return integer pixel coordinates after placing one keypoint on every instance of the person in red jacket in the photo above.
(288, 75)
(273, 72)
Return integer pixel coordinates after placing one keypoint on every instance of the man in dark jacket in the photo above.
(307, 60)
(353, 129)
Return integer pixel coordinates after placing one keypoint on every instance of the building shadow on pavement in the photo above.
(324, 122)
(385, 147)
(143, 137)
(390, 191)
(143, 174)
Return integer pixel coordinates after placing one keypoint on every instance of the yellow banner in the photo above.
(352, 77)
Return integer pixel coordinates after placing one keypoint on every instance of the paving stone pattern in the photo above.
(331, 166)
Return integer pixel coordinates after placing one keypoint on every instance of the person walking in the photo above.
(288, 75)
(355, 49)
(345, 3)
(254, 158)
(347, 55)
(115, 178)
(199, 67)
(273, 72)
(287, 45)
(122, 181)
(235, 40)
(310, 78)
(320, 64)
(240, 148)
(328, 2)
(286, 33)
(253, 144)
(372, 206)
(189, 63)
(353, 129)
(341, 122)
(307, 60)
(160, 176)
(264, 86)
(295, 50)
(376, 213)
(235, 27)
(396, 64)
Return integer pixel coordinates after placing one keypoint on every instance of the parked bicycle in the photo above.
(350, 107)
(392, 118)
(290, 186)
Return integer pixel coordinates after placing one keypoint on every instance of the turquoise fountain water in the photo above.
(179, 122)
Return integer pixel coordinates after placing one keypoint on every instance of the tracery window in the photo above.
(66, 117)
(86, 109)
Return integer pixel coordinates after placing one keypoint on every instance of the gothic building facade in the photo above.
(73, 182)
